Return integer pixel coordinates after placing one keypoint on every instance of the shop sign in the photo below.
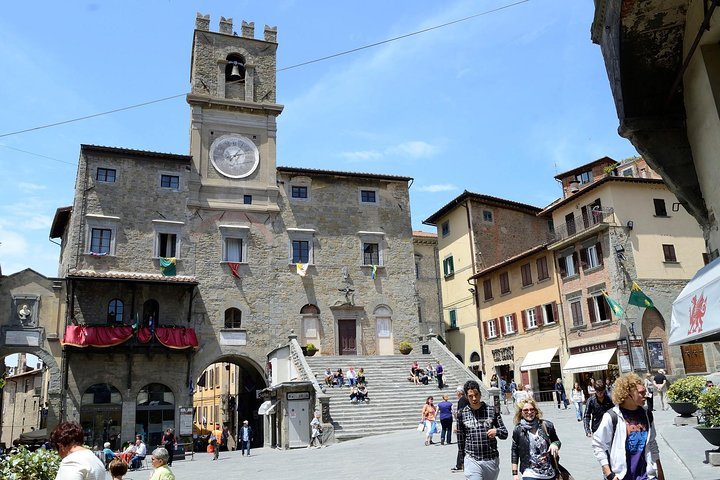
(186, 420)
(623, 355)
(638, 354)
(504, 354)
(592, 348)
(298, 395)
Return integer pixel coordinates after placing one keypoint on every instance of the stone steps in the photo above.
(395, 403)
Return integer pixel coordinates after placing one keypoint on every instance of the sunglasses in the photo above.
(529, 410)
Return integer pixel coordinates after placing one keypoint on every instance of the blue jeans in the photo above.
(578, 410)
(245, 447)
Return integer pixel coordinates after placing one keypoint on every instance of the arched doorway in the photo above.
(226, 392)
(154, 413)
(101, 415)
(655, 335)
(383, 322)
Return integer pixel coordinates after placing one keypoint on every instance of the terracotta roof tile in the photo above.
(112, 275)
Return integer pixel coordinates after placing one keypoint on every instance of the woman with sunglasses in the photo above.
(535, 444)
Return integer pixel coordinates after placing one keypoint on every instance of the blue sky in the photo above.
(497, 104)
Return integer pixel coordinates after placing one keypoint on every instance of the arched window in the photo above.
(474, 357)
(310, 309)
(383, 317)
(101, 415)
(151, 312)
(155, 410)
(233, 318)
(115, 311)
(459, 357)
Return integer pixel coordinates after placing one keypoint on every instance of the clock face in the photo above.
(234, 156)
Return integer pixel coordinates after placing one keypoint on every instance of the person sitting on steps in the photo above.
(362, 393)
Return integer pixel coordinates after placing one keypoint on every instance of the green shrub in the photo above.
(310, 347)
(710, 403)
(38, 465)
(405, 345)
(686, 390)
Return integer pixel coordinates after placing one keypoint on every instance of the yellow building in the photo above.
(217, 401)
(476, 231)
(520, 317)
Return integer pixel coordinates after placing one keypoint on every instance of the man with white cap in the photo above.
(245, 437)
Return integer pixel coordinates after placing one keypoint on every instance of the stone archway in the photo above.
(654, 335)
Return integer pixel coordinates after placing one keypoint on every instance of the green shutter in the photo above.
(453, 319)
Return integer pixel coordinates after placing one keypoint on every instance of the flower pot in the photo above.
(405, 351)
(711, 434)
(684, 409)
(310, 353)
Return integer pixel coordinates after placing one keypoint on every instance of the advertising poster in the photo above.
(657, 356)
(638, 354)
(623, 356)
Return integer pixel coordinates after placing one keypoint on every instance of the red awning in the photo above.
(96, 336)
(177, 338)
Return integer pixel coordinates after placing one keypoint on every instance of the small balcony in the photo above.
(101, 336)
(578, 227)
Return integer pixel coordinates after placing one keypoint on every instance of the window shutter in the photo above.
(583, 258)
(584, 211)
(591, 309)
(539, 316)
(575, 261)
(562, 266)
(525, 320)
(598, 246)
(555, 312)
(486, 330)
(514, 321)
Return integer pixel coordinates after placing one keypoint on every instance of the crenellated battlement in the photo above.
(225, 26)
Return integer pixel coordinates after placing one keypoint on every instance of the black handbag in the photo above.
(561, 472)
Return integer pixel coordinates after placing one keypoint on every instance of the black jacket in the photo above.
(594, 411)
(520, 449)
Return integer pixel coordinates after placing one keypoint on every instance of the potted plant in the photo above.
(710, 428)
(310, 350)
(405, 347)
(39, 465)
(684, 394)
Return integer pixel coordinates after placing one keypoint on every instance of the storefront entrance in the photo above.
(101, 415)
(155, 413)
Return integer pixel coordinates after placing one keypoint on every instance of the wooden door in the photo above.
(693, 358)
(347, 337)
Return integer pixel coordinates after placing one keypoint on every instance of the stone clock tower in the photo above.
(233, 127)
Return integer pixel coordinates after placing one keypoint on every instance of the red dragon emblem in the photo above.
(697, 312)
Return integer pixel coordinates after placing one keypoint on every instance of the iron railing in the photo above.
(579, 224)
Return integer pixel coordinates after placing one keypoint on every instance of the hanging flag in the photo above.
(374, 272)
(614, 306)
(168, 266)
(136, 325)
(234, 269)
(96, 254)
(301, 268)
(638, 298)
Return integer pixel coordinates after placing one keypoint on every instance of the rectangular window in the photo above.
(669, 253)
(576, 310)
(371, 254)
(509, 324)
(247, 199)
(542, 268)
(660, 210)
(531, 318)
(570, 224)
(568, 265)
(487, 216)
(448, 266)
(299, 192)
(100, 240)
(300, 251)
(417, 267)
(233, 250)
(368, 196)
(628, 172)
(167, 243)
(453, 318)
(592, 257)
(487, 289)
(170, 181)
(526, 274)
(598, 309)
(504, 283)
(550, 314)
(105, 175)
(445, 228)
(491, 329)
(584, 177)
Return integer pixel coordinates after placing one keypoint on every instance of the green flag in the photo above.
(614, 306)
(167, 266)
(638, 298)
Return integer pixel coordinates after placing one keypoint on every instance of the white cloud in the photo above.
(362, 155)
(438, 187)
(37, 222)
(25, 186)
(414, 149)
(12, 244)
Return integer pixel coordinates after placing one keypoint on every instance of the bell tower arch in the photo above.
(233, 118)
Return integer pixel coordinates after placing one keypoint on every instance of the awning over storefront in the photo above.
(696, 311)
(589, 362)
(267, 407)
(538, 359)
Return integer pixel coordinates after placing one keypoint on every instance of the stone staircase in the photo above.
(395, 403)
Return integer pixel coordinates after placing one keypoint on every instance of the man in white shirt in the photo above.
(140, 453)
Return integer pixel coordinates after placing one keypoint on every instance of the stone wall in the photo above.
(427, 286)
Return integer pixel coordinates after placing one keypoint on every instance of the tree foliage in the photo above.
(26, 465)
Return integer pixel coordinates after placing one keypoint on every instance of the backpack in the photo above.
(614, 418)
